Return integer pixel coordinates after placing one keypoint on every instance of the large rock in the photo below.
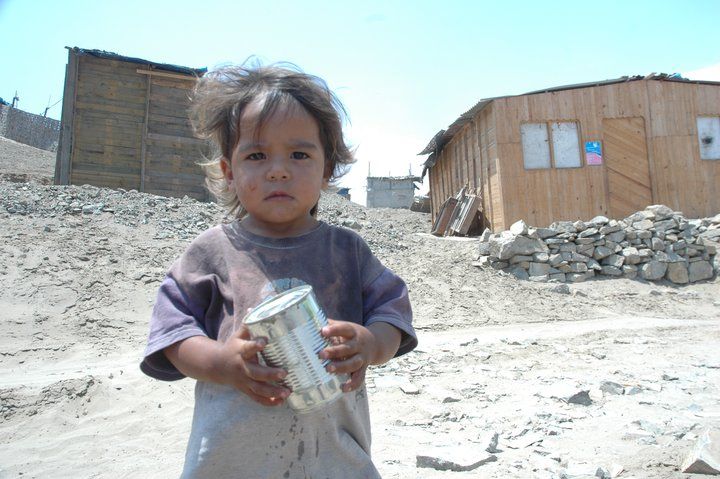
(653, 270)
(506, 246)
(677, 273)
(700, 270)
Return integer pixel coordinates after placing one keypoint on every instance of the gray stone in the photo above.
(555, 241)
(599, 220)
(588, 232)
(610, 228)
(580, 397)
(602, 252)
(587, 241)
(614, 260)
(578, 267)
(616, 237)
(643, 225)
(657, 244)
(586, 249)
(661, 212)
(570, 247)
(705, 455)
(505, 247)
(630, 271)
(640, 216)
(644, 234)
(563, 227)
(699, 271)
(557, 277)
(538, 269)
(541, 257)
(613, 388)
(593, 264)
(555, 260)
(485, 236)
(565, 268)
(546, 232)
(499, 264)
(519, 273)
(666, 225)
(579, 225)
(611, 270)
(519, 228)
(631, 255)
(668, 257)
(677, 273)
(483, 249)
(653, 270)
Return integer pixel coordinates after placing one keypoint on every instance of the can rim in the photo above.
(267, 308)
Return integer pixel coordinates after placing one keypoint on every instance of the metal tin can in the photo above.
(291, 322)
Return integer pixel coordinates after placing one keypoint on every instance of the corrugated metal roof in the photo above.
(441, 138)
(157, 66)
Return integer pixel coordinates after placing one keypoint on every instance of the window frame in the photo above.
(551, 146)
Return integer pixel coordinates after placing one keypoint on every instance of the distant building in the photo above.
(391, 192)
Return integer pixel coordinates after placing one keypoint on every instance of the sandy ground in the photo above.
(486, 390)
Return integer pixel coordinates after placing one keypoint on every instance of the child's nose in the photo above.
(278, 170)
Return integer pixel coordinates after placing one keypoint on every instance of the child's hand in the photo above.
(239, 366)
(354, 349)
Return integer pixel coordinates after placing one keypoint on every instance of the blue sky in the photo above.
(404, 69)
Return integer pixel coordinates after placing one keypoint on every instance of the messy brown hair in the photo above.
(221, 96)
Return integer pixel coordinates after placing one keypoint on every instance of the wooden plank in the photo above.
(172, 110)
(163, 74)
(105, 180)
(177, 141)
(162, 93)
(169, 82)
(109, 108)
(117, 168)
(63, 162)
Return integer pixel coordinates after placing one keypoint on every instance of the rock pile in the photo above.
(653, 244)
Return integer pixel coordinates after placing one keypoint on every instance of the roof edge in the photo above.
(155, 65)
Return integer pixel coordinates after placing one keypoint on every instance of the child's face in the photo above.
(277, 172)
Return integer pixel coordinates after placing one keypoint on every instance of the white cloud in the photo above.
(710, 73)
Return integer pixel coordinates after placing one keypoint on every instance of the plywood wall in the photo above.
(126, 126)
(681, 179)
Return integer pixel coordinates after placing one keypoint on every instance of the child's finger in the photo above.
(262, 373)
(265, 401)
(342, 329)
(268, 390)
(342, 350)
(346, 366)
(355, 381)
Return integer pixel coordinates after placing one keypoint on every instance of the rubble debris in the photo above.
(654, 244)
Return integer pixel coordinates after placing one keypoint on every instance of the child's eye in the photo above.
(255, 156)
(299, 155)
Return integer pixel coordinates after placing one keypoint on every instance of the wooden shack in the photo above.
(573, 152)
(125, 125)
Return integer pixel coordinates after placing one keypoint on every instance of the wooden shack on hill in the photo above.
(125, 125)
(573, 152)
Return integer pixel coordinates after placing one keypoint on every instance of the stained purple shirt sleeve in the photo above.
(385, 299)
(173, 319)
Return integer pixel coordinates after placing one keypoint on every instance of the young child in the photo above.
(278, 133)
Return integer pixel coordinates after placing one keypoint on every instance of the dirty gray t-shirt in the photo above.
(208, 290)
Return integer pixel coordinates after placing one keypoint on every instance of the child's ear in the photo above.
(226, 168)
